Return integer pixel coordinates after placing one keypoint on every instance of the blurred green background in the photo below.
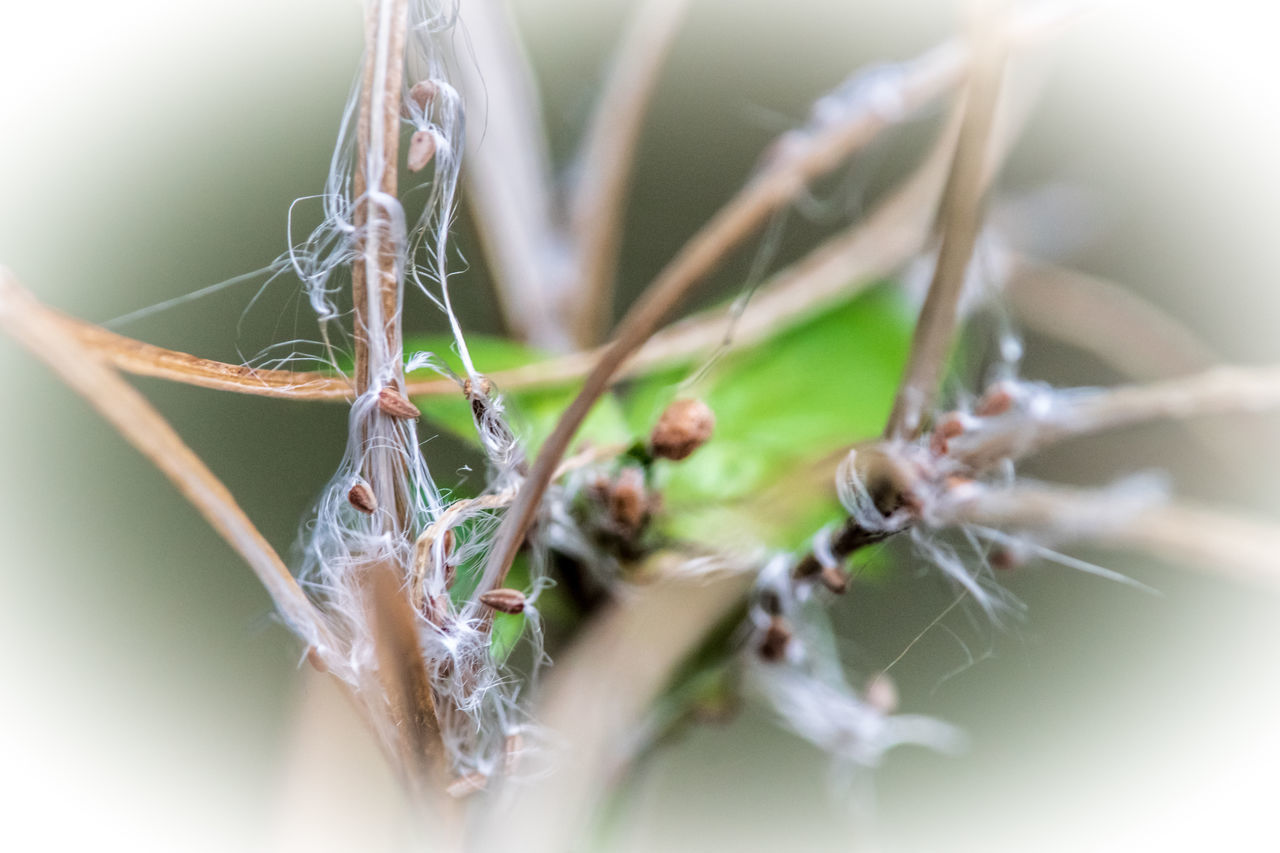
(151, 149)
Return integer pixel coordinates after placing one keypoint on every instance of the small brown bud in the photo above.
(628, 503)
(392, 402)
(835, 579)
(422, 147)
(504, 600)
(684, 426)
(465, 786)
(313, 658)
(882, 693)
(361, 497)
(776, 639)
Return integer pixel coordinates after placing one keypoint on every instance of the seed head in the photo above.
(504, 600)
(684, 426)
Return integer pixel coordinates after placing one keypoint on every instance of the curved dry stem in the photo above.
(1207, 539)
(608, 153)
(1222, 390)
(961, 217)
(45, 337)
(508, 177)
(1136, 337)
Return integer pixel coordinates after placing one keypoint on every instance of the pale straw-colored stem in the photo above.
(602, 181)
(44, 335)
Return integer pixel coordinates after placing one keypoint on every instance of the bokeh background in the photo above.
(152, 148)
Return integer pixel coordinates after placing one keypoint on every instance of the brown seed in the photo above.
(484, 387)
(684, 426)
(628, 502)
(948, 427)
(464, 786)
(423, 93)
(361, 497)
(313, 658)
(422, 147)
(776, 639)
(882, 693)
(392, 402)
(504, 600)
(996, 400)
(835, 579)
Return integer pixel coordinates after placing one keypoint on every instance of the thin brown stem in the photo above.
(508, 177)
(1100, 317)
(608, 154)
(961, 217)
(1196, 536)
(1014, 435)
(44, 335)
(375, 275)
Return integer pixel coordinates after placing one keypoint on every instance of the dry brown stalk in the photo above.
(44, 335)
(1196, 536)
(508, 176)
(608, 153)
(1221, 390)
(961, 218)
(1103, 318)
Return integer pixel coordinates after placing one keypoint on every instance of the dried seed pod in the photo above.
(835, 579)
(466, 785)
(882, 693)
(683, 427)
(504, 600)
(422, 147)
(361, 497)
(776, 639)
(392, 402)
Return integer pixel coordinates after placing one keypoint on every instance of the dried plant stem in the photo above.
(375, 276)
(1221, 390)
(44, 335)
(508, 178)
(1100, 317)
(142, 359)
(961, 217)
(1196, 536)
(600, 189)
